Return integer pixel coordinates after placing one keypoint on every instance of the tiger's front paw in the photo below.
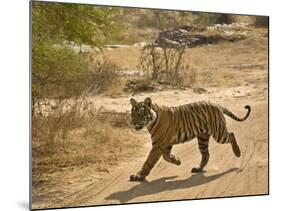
(137, 178)
(196, 170)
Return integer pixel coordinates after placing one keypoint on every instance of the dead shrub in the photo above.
(101, 74)
(72, 133)
(166, 64)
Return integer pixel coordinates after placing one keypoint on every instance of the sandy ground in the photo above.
(240, 77)
(225, 174)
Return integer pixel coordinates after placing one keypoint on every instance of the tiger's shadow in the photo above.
(163, 184)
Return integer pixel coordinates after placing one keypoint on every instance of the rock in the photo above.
(139, 85)
(139, 44)
(116, 46)
(199, 90)
(163, 82)
(189, 36)
(134, 73)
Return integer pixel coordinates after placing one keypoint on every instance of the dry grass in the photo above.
(75, 138)
(133, 35)
(219, 65)
(126, 58)
(117, 88)
(101, 74)
(215, 65)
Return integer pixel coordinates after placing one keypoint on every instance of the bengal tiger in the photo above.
(173, 125)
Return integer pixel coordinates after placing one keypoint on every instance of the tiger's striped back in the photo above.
(180, 124)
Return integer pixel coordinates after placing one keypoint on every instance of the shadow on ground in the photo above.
(163, 184)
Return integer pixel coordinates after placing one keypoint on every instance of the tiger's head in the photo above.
(142, 113)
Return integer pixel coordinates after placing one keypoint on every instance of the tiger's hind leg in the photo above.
(170, 157)
(230, 138)
(234, 145)
(222, 136)
(203, 143)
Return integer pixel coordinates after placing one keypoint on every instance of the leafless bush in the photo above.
(165, 64)
(101, 74)
(74, 133)
(189, 76)
(61, 118)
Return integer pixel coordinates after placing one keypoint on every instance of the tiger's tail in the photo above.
(233, 116)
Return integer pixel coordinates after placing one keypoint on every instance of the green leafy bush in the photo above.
(57, 70)
(53, 67)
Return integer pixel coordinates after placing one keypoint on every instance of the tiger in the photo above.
(174, 125)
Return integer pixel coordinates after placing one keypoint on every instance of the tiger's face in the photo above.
(141, 113)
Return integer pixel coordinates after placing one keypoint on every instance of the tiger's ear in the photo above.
(148, 102)
(133, 101)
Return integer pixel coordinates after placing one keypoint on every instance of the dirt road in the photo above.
(233, 75)
(225, 175)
